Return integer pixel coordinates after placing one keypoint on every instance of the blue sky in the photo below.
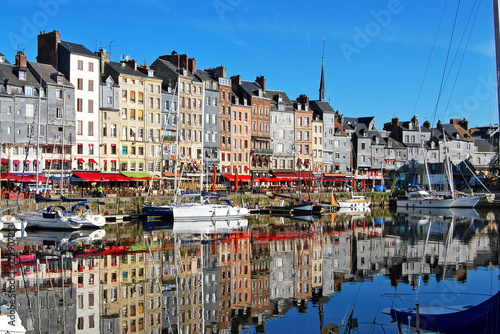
(376, 52)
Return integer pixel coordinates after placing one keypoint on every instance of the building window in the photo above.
(91, 106)
(124, 149)
(59, 113)
(79, 105)
(91, 85)
(80, 65)
(79, 127)
(79, 84)
(59, 93)
(91, 67)
(91, 128)
(29, 110)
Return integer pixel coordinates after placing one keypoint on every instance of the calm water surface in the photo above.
(264, 274)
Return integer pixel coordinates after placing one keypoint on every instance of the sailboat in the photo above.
(198, 205)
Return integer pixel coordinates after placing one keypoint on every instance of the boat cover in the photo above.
(40, 199)
(483, 318)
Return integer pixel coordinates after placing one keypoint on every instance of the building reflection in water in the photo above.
(222, 281)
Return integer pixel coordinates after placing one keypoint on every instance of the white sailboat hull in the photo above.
(425, 203)
(198, 211)
(354, 203)
(465, 202)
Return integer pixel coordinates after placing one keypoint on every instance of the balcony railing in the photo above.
(262, 151)
(169, 138)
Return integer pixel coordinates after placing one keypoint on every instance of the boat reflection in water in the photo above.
(229, 276)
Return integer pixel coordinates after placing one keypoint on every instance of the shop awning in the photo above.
(115, 177)
(138, 176)
(90, 176)
(25, 178)
(80, 160)
(242, 178)
(92, 161)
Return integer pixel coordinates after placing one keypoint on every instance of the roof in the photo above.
(274, 95)
(320, 106)
(77, 49)
(46, 72)
(123, 68)
(482, 145)
(7, 72)
(251, 88)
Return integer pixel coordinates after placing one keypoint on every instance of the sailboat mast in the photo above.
(202, 165)
(496, 9)
(176, 164)
(37, 164)
(62, 144)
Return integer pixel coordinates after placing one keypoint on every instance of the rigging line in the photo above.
(462, 39)
(26, 288)
(446, 63)
(430, 56)
(463, 54)
(164, 134)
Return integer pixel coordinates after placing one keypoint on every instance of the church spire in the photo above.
(322, 83)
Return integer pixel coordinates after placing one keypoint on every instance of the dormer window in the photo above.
(22, 75)
(59, 79)
(28, 90)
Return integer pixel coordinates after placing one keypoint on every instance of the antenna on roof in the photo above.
(109, 47)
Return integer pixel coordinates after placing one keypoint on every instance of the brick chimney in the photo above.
(132, 63)
(192, 65)
(47, 47)
(21, 59)
(303, 98)
(395, 123)
(460, 122)
(179, 61)
(104, 57)
(235, 82)
(262, 82)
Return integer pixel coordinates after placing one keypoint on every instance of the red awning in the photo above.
(5, 160)
(281, 175)
(92, 161)
(27, 162)
(115, 177)
(242, 178)
(25, 178)
(17, 162)
(80, 160)
(90, 176)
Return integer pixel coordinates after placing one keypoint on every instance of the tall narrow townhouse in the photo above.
(303, 134)
(81, 68)
(225, 98)
(56, 125)
(210, 121)
(239, 139)
(109, 108)
(181, 69)
(33, 100)
(282, 131)
(138, 125)
(255, 95)
(169, 124)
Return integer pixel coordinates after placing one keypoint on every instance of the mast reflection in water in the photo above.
(235, 277)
